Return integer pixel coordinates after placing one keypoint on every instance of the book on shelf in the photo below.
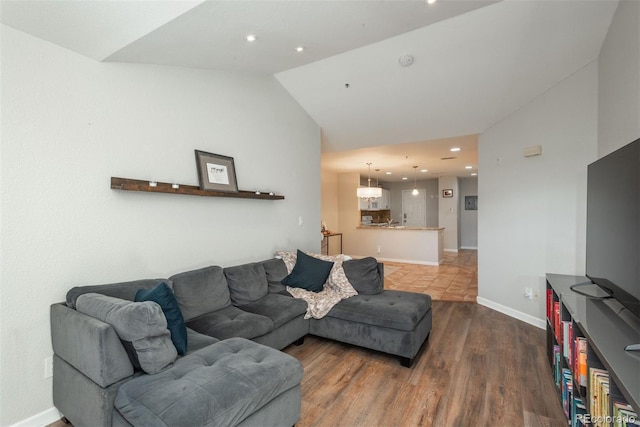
(557, 365)
(580, 361)
(578, 411)
(567, 339)
(624, 415)
(599, 395)
(556, 319)
(567, 392)
(550, 304)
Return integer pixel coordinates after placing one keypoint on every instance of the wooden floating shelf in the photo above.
(127, 184)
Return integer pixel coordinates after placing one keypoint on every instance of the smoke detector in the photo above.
(406, 60)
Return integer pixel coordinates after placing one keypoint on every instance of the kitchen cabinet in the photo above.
(377, 203)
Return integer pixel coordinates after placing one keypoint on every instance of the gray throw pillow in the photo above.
(247, 283)
(141, 323)
(363, 275)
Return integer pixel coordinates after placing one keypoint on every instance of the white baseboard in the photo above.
(403, 261)
(451, 250)
(42, 419)
(473, 248)
(527, 318)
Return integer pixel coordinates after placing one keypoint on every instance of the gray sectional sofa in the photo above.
(111, 354)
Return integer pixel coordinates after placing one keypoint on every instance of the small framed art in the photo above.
(216, 172)
(447, 193)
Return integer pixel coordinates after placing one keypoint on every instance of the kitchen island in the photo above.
(414, 245)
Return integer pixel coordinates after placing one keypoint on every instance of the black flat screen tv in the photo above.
(613, 225)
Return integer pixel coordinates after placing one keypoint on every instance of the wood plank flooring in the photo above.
(479, 368)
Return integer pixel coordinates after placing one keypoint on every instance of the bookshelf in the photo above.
(598, 382)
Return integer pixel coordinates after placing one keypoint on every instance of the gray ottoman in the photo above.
(232, 382)
(393, 322)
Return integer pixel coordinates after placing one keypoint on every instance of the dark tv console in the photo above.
(609, 333)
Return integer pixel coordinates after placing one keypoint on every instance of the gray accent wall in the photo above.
(468, 218)
(431, 186)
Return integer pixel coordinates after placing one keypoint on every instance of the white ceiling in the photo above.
(435, 156)
(476, 61)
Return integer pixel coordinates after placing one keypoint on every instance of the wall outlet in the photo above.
(379, 249)
(528, 293)
(48, 367)
(536, 295)
(300, 221)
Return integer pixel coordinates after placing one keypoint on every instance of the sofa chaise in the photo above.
(111, 369)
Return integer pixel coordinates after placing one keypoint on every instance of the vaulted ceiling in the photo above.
(474, 61)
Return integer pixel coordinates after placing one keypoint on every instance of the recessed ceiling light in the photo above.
(250, 38)
(300, 49)
(455, 149)
(404, 178)
(424, 170)
(431, 1)
(388, 173)
(474, 174)
(468, 167)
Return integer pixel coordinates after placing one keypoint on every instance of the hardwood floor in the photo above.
(479, 368)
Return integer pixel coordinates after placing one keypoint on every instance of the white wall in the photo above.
(533, 210)
(448, 212)
(468, 218)
(348, 210)
(619, 80)
(69, 124)
(329, 203)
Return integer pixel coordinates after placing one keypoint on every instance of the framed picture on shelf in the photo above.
(447, 193)
(216, 172)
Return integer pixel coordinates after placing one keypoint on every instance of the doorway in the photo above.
(414, 208)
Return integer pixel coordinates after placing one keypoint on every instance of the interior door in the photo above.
(414, 208)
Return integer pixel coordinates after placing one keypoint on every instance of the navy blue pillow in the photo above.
(163, 295)
(309, 273)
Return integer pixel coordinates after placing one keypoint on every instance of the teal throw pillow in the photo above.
(309, 273)
(163, 296)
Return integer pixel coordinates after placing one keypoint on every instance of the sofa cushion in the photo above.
(201, 291)
(309, 273)
(390, 309)
(141, 323)
(219, 385)
(247, 283)
(162, 295)
(196, 340)
(279, 308)
(363, 275)
(275, 270)
(231, 322)
(123, 290)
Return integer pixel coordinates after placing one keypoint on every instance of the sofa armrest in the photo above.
(89, 345)
(381, 273)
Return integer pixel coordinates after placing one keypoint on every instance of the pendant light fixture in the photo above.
(415, 191)
(369, 192)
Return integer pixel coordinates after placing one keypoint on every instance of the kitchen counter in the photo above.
(413, 245)
(398, 227)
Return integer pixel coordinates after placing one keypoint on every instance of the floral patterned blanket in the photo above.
(336, 288)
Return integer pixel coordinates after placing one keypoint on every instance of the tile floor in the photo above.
(456, 279)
